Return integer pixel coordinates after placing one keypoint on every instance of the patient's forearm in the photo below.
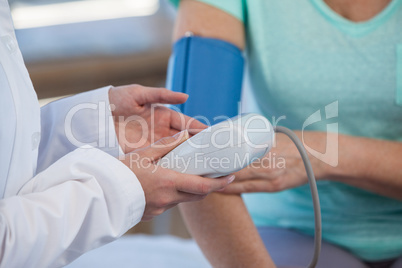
(223, 229)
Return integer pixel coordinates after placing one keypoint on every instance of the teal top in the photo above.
(326, 73)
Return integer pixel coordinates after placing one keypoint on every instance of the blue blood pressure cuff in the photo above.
(210, 71)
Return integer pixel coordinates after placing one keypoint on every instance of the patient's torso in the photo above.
(304, 58)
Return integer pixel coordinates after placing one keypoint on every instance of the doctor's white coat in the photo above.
(57, 201)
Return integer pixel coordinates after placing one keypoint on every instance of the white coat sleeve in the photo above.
(84, 200)
(75, 121)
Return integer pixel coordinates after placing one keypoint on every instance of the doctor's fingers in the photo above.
(193, 184)
(163, 146)
(253, 186)
(180, 122)
(149, 95)
(186, 197)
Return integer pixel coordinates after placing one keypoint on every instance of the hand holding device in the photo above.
(166, 188)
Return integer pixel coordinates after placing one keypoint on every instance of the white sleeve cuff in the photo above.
(122, 191)
(70, 123)
(128, 190)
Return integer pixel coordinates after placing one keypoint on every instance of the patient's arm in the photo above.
(223, 229)
(220, 223)
(208, 21)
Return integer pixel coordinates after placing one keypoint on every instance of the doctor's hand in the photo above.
(140, 119)
(282, 168)
(165, 188)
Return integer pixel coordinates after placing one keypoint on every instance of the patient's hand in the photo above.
(165, 188)
(282, 168)
(140, 120)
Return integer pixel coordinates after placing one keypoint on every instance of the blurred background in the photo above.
(71, 46)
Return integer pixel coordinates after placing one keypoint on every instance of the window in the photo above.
(39, 13)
